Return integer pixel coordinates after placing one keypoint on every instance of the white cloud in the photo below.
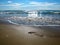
(42, 6)
(29, 4)
(32, 5)
(9, 1)
(12, 4)
(41, 3)
(16, 4)
(35, 4)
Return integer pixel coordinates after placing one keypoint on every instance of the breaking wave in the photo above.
(12, 22)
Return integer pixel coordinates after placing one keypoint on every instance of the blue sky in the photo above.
(29, 4)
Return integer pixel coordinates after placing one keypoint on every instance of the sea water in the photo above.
(39, 21)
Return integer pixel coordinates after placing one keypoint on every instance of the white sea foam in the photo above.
(12, 22)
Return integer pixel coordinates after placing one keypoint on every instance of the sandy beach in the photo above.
(29, 35)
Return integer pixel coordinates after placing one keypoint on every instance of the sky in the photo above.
(29, 4)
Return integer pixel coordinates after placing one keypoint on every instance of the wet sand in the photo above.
(28, 35)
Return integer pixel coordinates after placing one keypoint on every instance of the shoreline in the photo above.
(19, 35)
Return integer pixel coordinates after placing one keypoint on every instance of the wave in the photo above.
(12, 22)
(32, 23)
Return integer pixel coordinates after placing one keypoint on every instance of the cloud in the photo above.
(9, 1)
(29, 4)
(41, 3)
(12, 4)
(32, 5)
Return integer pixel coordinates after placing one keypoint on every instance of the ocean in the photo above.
(45, 17)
